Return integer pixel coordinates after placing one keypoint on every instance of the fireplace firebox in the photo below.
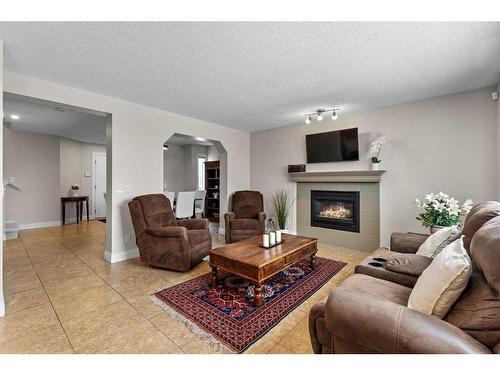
(335, 210)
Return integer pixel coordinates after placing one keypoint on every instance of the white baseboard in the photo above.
(46, 224)
(41, 224)
(119, 256)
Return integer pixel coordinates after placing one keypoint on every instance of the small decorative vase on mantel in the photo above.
(375, 166)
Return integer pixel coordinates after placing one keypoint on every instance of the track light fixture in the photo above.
(318, 115)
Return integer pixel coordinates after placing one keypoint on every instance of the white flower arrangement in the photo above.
(375, 149)
(441, 209)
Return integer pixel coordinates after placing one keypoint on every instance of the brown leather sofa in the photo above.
(163, 240)
(367, 313)
(246, 218)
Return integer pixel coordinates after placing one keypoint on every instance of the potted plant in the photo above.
(375, 149)
(441, 210)
(74, 189)
(282, 205)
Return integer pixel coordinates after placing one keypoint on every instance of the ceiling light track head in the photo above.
(319, 114)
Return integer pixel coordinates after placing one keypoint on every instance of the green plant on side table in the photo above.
(282, 203)
(441, 210)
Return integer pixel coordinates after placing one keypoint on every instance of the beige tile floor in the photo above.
(63, 297)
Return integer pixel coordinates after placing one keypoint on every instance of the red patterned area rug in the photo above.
(227, 316)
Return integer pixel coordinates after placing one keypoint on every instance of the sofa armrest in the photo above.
(407, 242)
(193, 224)
(229, 216)
(321, 339)
(390, 328)
(408, 264)
(176, 232)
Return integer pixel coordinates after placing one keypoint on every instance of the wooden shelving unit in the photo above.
(212, 185)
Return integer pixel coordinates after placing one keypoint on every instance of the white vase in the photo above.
(75, 193)
(375, 166)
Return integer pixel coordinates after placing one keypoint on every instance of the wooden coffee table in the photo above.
(249, 260)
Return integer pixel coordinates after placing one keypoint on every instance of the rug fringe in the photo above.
(193, 327)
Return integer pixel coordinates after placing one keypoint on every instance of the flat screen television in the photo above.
(338, 145)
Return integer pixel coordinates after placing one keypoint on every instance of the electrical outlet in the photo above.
(127, 237)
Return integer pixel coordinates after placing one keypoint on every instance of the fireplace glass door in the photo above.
(335, 210)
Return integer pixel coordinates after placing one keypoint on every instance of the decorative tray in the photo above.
(270, 246)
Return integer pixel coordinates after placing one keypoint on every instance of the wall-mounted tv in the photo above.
(338, 145)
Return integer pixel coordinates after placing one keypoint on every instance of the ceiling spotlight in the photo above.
(320, 116)
(334, 115)
(165, 147)
(308, 120)
(14, 117)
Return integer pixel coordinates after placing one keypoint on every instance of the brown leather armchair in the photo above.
(369, 314)
(247, 217)
(163, 240)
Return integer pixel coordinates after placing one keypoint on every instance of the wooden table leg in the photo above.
(313, 258)
(77, 212)
(63, 209)
(87, 208)
(213, 279)
(81, 211)
(258, 297)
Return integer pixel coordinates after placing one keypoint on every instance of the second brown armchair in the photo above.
(164, 241)
(246, 218)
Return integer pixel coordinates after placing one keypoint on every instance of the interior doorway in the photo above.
(99, 185)
(57, 157)
(192, 163)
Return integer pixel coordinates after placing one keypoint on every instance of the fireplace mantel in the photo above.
(338, 176)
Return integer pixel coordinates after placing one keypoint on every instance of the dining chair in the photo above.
(185, 204)
(199, 202)
(171, 197)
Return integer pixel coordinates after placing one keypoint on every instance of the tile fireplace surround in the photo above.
(365, 182)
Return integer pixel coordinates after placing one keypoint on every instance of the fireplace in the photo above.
(335, 210)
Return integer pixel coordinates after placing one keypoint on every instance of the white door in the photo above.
(99, 184)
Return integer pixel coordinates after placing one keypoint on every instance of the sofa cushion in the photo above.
(245, 224)
(408, 264)
(381, 272)
(442, 282)
(198, 236)
(485, 252)
(437, 241)
(477, 217)
(381, 289)
(247, 204)
(477, 311)
(157, 211)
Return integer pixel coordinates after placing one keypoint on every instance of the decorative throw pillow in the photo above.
(443, 281)
(437, 241)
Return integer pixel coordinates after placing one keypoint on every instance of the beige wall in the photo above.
(174, 168)
(44, 167)
(213, 154)
(447, 143)
(138, 133)
(76, 160)
(180, 167)
(33, 160)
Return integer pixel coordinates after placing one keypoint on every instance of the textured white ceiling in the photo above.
(44, 119)
(254, 76)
